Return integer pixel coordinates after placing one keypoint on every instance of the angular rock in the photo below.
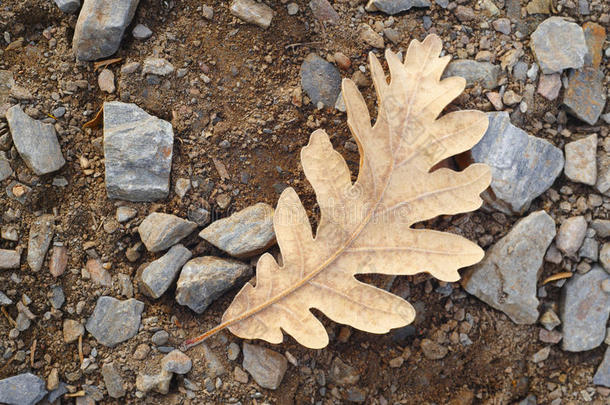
(397, 6)
(321, 80)
(113, 381)
(157, 66)
(4, 300)
(138, 153)
(581, 164)
(124, 213)
(72, 330)
(585, 95)
(106, 81)
(342, 374)
(35, 141)
(602, 227)
(5, 168)
(323, 11)
(549, 86)
(141, 32)
(370, 37)
(484, 73)
(176, 362)
(585, 307)
(266, 366)
(603, 174)
(100, 27)
(595, 35)
(602, 375)
(433, 350)
(159, 382)
(68, 6)
(9, 259)
(41, 234)
(522, 166)
(59, 261)
(160, 274)
(114, 321)
(22, 389)
(203, 279)
(571, 235)
(604, 256)
(98, 273)
(558, 44)
(160, 231)
(243, 234)
(252, 12)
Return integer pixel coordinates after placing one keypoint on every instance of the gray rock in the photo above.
(124, 214)
(176, 362)
(100, 27)
(581, 165)
(433, 350)
(602, 375)
(157, 66)
(252, 12)
(199, 215)
(484, 73)
(604, 256)
(114, 321)
(266, 366)
(72, 330)
(22, 389)
(160, 231)
(68, 6)
(113, 381)
(602, 227)
(160, 274)
(233, 351)
(57, 297)
(585, 307)
(5, 168)
(603, 174)
(321, 80)
(35, 141)
(571, 235)
(243, 234)
(9, 259)
(589, 249)
(558, 44)
(204, 279)
(141, 32)
(506, 278)
(41, 234)
(4, 300)
(585, 95)
(522, 166)
(159, 382)
(138, 153)
(7, 81)
(160, 338)
(397, 6)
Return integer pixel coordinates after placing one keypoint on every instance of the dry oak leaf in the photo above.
(365, 227)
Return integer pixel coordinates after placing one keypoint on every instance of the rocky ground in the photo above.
(121, 238)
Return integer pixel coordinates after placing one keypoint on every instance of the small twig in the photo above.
(11, 321)
(80, 349)
(33, 352)
(302, 44)
(80, 393)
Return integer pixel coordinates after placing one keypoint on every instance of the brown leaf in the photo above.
(97, 120)
(557, 276)
(365, 227)
(104, 63)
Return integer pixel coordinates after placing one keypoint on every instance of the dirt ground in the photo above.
(250, 102)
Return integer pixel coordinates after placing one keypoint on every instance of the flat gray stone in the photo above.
(571, 235)
(5, 168)
(602, 375)
(160, 274)
(4, 300)
(138, 153)
(35, 141)
(558, 44)
(100, 27)
(585, 307)
(203, 279)
(581, 164)
(397, 6)
(321, 80)
(484, 73)
(41, 235)
(22, 389)
(522, 166)
(603, 174)
(68, 6)
(266, 366)
(160, 231)
(157, 66)
(602, 227)
(9, 259)
(252, 12)
(113, 381)
(585, 95)
(243, 234)
(141, 32)
(506, 278)
(114, 321)
(176, 362)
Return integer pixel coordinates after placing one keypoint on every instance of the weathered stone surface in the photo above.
(9, 259)
(321, 80)
(243, 234)
(160, 274)
(114, 321)
(252, 12)
(36, 142)
(41, 234)
(113, 381)
(141, 32)
(604, 256)
(159, 382)
(484, 73)
(203, 279)
(585, 95)
(581, 164)
(603, 174)
(22, 389)
(7, 81)
(433, 350)
(105, 81)
(157, 66)
(585, 307)
(595, 35)
(506, 278)
(124, 213)
(160, 231)
(138, 153)
(266, 366)
(602, 375)
(176, 362)
(539, 7)
(369, 36)
(72, 330)
(522, 166)
(4, 300)
(5, 167)
(59, 261)
(571, 235)
(324, 11)
(602, 227)
(68, 6)
(397, 6)
(98, 273)
(100, 27)
(549, 86)
(342, 374)
(558, 44)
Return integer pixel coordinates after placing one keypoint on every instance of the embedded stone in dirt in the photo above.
(506, 278)
(585, 307)
(68, 6)
(98, 273)
(321, 80)
(138, 153)
(5, 167)
(124, 213)
(176, 362)
(100, 27)
(113, 381)
(141, 32)
(522, 166)
(41, 234)
(581, 165)
(59, 261)
(585, 95)
(433, 350)
(22, 389)
(602, 375)
(160, 231)
(252, 12)
(549, 86)
(72, 330)
(114, 321)
(9, 259)
(558, 44)
(266, 366)
(243, 234)
(484, 73)
(159, 382)
(397, 6)
(157, 66)
(203, 279)
(35, 141)
(159, 275)
(571, 234)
